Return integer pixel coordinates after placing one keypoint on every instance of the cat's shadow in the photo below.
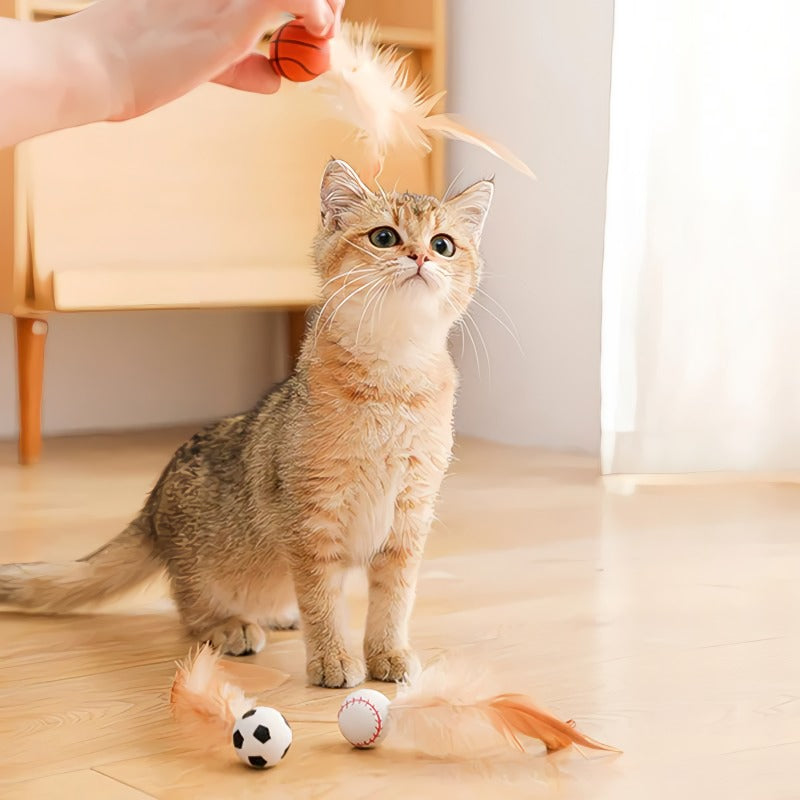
(37, 647)
(117, 638)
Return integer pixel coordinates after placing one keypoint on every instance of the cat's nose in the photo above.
(419, 259)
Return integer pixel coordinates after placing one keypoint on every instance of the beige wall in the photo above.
(140, 369)
(537, 76)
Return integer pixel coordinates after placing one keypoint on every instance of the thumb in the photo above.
(253, 73)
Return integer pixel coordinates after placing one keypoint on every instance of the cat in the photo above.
(257, 517)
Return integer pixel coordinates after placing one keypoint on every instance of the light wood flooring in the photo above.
(664, 618)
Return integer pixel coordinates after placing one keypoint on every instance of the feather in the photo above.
(448, 710)
(455, 130)
(203, 699)
(369, 86)
(519, 713)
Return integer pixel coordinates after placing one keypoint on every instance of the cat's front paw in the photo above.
(335, 670)
(237, 637)
(285, 621)
(392, 666)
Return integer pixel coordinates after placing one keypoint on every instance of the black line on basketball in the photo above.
(299, 64)
(276, 62)
(281, 39)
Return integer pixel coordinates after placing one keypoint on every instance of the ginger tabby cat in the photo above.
(257, 518)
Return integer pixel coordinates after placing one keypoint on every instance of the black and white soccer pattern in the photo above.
(262, 737)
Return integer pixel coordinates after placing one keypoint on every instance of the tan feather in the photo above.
(448, 710)
(519, 714)
(455, 130)
(205, 702)
(369, 87)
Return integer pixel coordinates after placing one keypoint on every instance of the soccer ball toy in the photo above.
(262, 737)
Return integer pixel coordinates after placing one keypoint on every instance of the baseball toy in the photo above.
(364, 718)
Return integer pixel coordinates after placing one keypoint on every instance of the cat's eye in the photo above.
(384, 237)
(443, 245)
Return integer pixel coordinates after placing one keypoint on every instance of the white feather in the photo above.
(435, 712)
(369, 87)
(451, 709)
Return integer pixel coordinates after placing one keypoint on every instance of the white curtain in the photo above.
(701, 281)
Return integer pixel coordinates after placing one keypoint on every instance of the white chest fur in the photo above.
(388, 439)
(372, 514)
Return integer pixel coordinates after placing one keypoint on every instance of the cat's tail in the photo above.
(126, 561)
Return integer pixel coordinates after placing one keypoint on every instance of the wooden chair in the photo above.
(208, 202)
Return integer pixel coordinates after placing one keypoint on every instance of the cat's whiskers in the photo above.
(379, 312)
(502, 324)
(461, 320)
(449, 189)
(401, 273)
(438, 275)
(357, 269)
(465, 318)
(342, 288)
(352, 294)
(362, 249)
(372, 294)
(469, 317)
(462, 337)
(433, 274)
(382, 191)
(474, 347)
(499, 306)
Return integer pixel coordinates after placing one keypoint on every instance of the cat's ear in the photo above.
(341, 189)
(471, 206)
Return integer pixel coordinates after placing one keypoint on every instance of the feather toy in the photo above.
(369, 86)
(205, 701)
(449, 709)
(445, 710)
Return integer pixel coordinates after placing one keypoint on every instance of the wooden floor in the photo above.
(664, 619)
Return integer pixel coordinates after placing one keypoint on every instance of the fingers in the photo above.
(321, 17)
(336, 7)
(253, 73)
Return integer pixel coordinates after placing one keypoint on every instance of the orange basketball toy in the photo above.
(296, 54)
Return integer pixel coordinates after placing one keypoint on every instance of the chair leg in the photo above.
(297, 330)
(31, 337)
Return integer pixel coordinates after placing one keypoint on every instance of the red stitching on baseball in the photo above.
(378, 721)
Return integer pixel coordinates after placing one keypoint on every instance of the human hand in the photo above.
(254, 72)
(154, 51)
(122, 58)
